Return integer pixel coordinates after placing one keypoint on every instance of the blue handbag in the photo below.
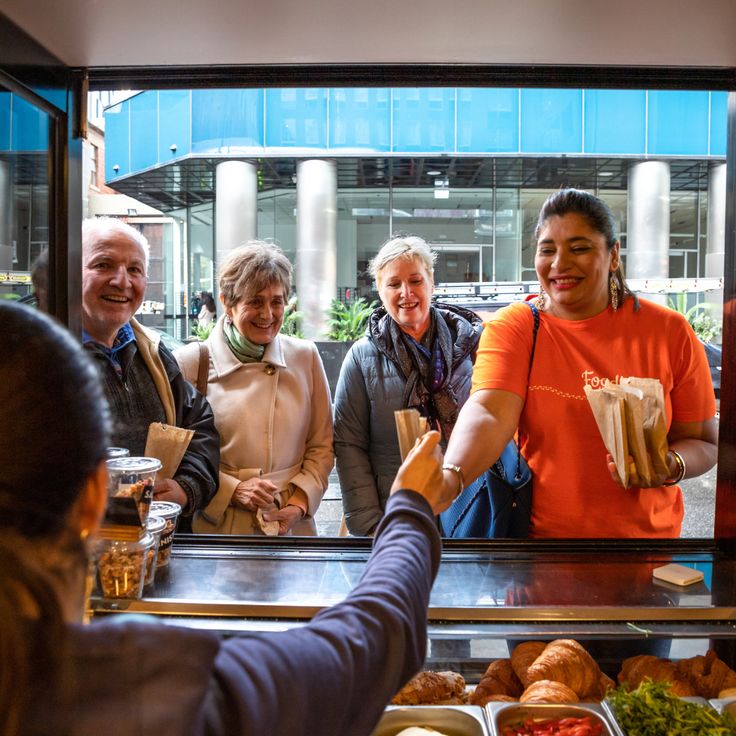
(498, 503)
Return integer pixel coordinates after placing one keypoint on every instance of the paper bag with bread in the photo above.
(630, 416)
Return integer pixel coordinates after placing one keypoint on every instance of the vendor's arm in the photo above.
(335, 675)
(484, 427)
(360, 498)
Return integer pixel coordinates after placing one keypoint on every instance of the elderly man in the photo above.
(142, 380)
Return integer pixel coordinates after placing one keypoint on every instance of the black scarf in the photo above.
(428, 370)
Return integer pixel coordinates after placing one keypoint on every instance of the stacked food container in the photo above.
(129, 547)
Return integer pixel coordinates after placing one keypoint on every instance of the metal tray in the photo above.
(504, 714)
(453, 720)
(608, 709)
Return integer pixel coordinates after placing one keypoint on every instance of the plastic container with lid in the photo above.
(132, 478)
(121, 566)
(113, 452)
(169, 511)
(155, 525)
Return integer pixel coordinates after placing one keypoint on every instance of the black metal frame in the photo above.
(66, 160)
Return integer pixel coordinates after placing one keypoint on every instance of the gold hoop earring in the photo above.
(613, 291)
(541, 301)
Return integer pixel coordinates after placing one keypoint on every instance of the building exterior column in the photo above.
(648, 226)
(715, 252)
(236, 205)
(6, 211)
(316, 242)
(716, 242)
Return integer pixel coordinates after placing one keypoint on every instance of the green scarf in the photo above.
(243, 349)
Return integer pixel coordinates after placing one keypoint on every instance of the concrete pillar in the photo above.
(6, 213)
(316, 242)
(648, 227)
(236, 205)
(715, 252)
(716, 248)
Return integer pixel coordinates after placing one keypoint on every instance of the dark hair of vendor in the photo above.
(55, 429)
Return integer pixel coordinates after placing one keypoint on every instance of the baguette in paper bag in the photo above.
(610, 415)
(631, 419)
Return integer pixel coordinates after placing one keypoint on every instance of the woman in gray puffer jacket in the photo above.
(414, 354)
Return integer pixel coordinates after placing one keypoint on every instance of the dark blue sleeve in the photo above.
(335, 675)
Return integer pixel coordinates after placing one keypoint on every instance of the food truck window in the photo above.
(330, 173)
(24, 200)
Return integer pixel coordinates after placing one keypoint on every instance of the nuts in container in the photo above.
(132, 478)
(169, 511)
(121, 566)
(155, 526)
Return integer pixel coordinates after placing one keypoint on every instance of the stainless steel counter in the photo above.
(477, 582)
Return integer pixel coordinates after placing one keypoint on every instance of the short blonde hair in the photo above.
(98, 228)
(250, 268)
(403, 246)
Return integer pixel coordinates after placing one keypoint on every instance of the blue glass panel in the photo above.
(296, 118)
(360, 118)
(143, 130)
(29, 127)
(4, 121)
(615, 121)
(424, 119)
(487, 120)
(117, 140)
(678, 123)
(174, 126)
(718, 119)
(551, 120)
(224, 120)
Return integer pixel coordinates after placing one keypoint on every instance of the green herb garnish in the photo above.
(651, 710)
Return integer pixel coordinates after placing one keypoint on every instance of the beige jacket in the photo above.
(274, 420)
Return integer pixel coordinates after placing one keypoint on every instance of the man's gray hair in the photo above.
(97, 228)
(403, 246)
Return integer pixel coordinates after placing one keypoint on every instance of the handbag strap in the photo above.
(203, 368)
(535, 313)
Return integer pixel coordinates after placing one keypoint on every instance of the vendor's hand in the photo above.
(422, 471)
(253, 493)
(168, 489)
(634, 480)
(286, 517)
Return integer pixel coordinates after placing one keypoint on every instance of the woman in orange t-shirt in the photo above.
(592, 328)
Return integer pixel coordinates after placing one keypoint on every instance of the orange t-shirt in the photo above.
(574, 494)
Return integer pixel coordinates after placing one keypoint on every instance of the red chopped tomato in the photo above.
(587, 726)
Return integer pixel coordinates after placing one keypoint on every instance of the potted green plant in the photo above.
(346, 323)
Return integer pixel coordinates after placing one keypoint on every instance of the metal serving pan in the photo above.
(452, 720)
(501, 715)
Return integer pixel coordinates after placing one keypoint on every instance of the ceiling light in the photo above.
(434, 172)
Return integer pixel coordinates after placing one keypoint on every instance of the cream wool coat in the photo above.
(274, 420)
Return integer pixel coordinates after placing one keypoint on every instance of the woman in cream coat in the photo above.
(271, 402)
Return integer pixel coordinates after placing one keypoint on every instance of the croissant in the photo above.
(708, 674)
(547, 691)
(523, 656)
(643, 666)
(496, 699)
(427, 688)
(499, 679)
(566, 661)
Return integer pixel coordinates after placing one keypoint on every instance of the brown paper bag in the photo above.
(635, 434)
(654, 421)
(168, 444)
(410, 425)
(608, 408)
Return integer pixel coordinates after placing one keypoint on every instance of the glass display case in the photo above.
(487, 596)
